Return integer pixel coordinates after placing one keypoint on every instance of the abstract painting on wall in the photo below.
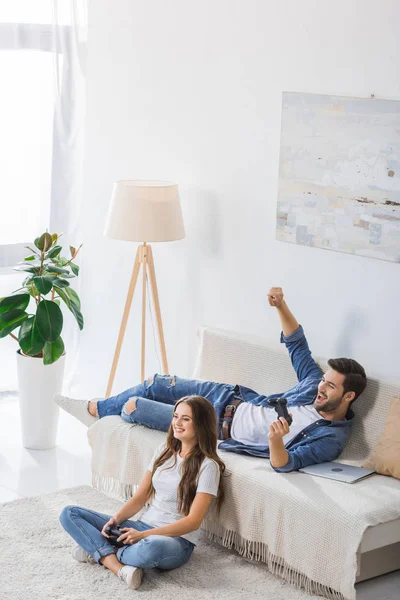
(339, 174)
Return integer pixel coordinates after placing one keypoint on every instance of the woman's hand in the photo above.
(110, 523)
(130, 536)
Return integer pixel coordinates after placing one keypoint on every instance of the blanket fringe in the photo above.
(114, 487)
(230, 539)
(275, 564)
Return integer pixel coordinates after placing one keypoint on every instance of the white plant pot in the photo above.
(38, 383)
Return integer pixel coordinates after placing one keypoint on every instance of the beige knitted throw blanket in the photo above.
(300, 526)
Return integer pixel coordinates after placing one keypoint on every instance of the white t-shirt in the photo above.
(163, 509)
(251, 423)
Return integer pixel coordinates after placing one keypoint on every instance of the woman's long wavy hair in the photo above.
(206, 428)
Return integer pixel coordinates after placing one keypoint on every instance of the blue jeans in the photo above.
(155, 399)
(160, 551)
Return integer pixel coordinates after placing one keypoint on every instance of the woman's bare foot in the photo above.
(92, 408)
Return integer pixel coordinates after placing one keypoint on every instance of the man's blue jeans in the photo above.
(155, 399)
(160, 551)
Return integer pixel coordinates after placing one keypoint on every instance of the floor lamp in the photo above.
(143, 211)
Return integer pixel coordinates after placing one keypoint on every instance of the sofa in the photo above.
(319, 534)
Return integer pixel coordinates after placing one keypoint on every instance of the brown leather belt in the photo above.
(230, 410)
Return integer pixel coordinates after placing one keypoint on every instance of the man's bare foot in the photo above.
(92, 408)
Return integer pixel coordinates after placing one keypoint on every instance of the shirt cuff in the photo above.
(290, 466)
(295, 335)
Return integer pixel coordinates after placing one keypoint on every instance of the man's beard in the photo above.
(328, 406)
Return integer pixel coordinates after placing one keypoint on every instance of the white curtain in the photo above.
(43, 47)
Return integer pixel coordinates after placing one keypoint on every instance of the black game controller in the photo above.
(280, 407)
(114, 532)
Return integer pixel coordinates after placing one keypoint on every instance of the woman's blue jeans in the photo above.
(155, 399)
(160, 551)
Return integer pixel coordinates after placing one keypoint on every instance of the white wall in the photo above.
(190, 91)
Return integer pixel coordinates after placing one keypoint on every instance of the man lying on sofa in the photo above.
(319, 405)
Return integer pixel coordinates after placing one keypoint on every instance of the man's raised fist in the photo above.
(275, 297)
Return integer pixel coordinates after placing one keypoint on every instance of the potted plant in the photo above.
(41, 353)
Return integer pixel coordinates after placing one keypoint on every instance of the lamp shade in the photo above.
(145, 211)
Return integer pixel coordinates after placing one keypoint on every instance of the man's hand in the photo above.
(278, 429)
(130, 536)
(289, 323)
(279, 456)
(275, 297)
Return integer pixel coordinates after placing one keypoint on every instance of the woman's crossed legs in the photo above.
(163, 552)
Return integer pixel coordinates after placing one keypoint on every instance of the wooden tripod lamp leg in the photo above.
(156, 302)
(128, 303)
(144, 262)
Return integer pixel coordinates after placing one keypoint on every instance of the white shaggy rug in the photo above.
(36, 562)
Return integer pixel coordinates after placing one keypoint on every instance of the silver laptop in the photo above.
(338, 471)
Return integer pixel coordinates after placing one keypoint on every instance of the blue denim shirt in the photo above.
(323, 440)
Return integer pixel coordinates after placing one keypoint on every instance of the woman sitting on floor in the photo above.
(182, 479)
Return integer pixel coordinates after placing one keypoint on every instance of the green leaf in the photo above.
(73, 296)
(14, 318)
(28, 269)
(53, 252)
(58, 270)
(45, 242)
(19, 301)
(36, 262)
(9, 315)
(74, 269)
(55, 237)
(61, 282)
(30, 257)
(43, 284)
(53, 351)
(29, 337)
(77, 314)
(62, 261)
(63, 293)
(49, 320)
